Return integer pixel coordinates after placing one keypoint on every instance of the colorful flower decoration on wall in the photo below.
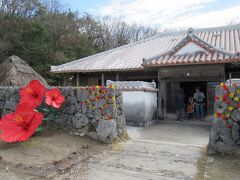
(98, 93)
(227, 103)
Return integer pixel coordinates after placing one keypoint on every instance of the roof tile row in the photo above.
(130, 57)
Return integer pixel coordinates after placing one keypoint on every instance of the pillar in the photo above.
(117, 76)
(102, 79)
(77, 80)
(164, 96)
(159, 95)
(65, 79)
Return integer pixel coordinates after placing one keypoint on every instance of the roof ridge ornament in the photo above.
(190, 32)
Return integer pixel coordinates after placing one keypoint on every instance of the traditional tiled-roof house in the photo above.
(196, 57)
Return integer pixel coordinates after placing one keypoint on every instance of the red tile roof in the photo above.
(208, 55)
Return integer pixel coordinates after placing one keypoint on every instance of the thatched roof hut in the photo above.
(16, 72)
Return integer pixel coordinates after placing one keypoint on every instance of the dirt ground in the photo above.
(218, 167)
(48, 156)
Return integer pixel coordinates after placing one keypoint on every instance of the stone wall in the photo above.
(96, 112)
(224, 135)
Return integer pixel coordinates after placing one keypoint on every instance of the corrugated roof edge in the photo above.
(149, 39)
(101, 70)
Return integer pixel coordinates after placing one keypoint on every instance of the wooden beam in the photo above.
(103, 79)
(77, 80)
(189, 72)
(194, 79)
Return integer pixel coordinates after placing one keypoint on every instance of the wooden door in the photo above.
(172, 88)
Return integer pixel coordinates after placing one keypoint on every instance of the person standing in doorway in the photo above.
(198, 102)
(180, 105)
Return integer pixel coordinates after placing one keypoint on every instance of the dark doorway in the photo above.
(189, 89)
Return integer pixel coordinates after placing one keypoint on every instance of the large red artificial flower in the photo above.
(32, 94)
(54, 98)
(20, 125)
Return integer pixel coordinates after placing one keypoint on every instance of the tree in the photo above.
(45, 33)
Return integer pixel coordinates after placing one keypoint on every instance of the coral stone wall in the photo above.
(96, 112)
(224, 135)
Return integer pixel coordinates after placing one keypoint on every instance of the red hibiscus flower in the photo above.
(54, 98)
(32, 94)
(20, 125)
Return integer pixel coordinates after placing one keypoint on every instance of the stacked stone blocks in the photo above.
(95, 111)
(224, 135)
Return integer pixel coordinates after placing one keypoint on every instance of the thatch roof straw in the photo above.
(16, 72)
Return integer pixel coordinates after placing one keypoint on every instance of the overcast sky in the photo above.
(164, 13)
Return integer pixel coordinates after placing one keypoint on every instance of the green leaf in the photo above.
(45, 110)
(39, 129)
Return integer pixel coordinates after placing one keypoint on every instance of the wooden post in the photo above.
(117, 76)
(164, 94)
(102, 79)
(224, 73)
(77, 80)
(230, 78)
(159, 95)
(65, 79)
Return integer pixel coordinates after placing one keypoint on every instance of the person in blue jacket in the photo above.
(198, 102)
